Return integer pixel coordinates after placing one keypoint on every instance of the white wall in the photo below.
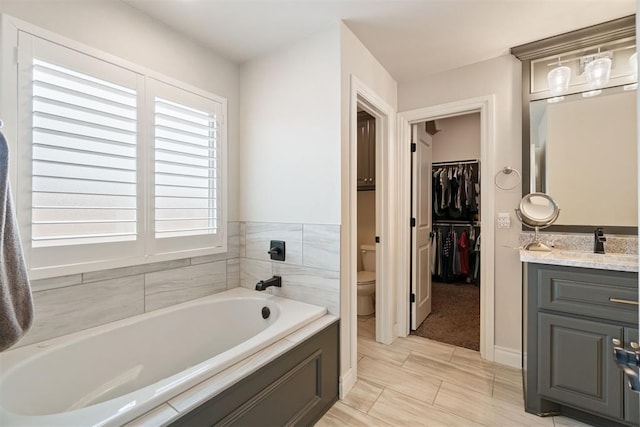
(500, 76)
(357, 61)
(290, 133)
(458, 139)
(120, 30)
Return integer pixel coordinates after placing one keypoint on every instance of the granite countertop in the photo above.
(611, 261)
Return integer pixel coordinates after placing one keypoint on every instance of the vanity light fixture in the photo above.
(591, 93)
(558, 79)
(598, 70)
(555, 99)
(633, 65)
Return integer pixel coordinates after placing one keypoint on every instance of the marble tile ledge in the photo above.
(610, 261)
(583, 242)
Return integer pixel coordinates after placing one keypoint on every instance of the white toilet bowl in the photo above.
(367, 281)
(366, 292)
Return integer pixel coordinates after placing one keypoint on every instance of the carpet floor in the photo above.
(455, 315)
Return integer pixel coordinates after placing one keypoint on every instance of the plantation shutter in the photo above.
(84, 155)
(187, 168)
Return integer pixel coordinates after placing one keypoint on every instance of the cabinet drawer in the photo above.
(596, 293)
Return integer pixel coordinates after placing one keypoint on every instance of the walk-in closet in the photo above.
(455, 231)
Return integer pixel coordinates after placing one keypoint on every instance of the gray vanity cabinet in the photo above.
(571, 316)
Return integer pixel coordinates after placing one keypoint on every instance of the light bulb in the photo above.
(558, 79)
(598, 71)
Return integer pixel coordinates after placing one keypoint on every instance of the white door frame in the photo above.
(385, 116)
(486, 106)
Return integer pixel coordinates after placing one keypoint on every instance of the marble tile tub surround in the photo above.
(72, 303)
(583, 242)
(311, 270)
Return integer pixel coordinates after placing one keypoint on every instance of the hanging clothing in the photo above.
(455, 191)
(463, 243)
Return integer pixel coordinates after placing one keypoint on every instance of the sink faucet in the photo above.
(599, 239)
(264, 284)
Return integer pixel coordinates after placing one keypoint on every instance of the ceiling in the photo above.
(411, 39)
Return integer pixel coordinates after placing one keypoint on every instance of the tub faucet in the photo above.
(264, 284)
(599, 239)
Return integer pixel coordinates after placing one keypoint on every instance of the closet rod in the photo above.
(459, 162)
(460, 223)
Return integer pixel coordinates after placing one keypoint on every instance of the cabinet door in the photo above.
(631, 407)
(575, 364)
(363, 153)
(371, 128)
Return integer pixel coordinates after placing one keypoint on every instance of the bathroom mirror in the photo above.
(571, 141)
(537, 210)
(575, 142)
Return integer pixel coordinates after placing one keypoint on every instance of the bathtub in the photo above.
(110, 374)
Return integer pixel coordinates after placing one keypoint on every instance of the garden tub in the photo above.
(110, 374)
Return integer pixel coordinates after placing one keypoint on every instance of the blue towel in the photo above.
(16, 304)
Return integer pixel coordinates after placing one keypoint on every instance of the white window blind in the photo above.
(185, 170)
(115, 167)
(83, 158)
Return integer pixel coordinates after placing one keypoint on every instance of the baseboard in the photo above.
(347, 381)
(507, 356)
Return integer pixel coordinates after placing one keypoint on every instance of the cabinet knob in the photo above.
(634, 345)
(616, 342)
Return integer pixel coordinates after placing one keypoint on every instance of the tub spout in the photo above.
(264, 284)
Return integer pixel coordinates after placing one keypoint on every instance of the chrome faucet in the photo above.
(264, 284)
(599, 239)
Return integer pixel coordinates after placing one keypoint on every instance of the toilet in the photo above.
(367, 281)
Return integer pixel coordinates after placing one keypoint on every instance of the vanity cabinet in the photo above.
(571, 316)
(366, 176)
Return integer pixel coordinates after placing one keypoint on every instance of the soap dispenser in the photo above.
(599, 239)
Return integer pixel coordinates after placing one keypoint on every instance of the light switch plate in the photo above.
(504, 220)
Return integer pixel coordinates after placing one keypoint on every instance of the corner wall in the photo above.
(357, 61)
(290, 169)
(500, 76)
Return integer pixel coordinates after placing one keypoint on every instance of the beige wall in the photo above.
(458, 139)
(501, 77)
(366, 221)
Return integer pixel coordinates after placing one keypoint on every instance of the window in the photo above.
(120, 168)
(83, 158)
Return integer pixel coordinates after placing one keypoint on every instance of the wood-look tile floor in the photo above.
(420, 382)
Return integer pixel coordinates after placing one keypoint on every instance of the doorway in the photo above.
(485, 106)
(446, 230)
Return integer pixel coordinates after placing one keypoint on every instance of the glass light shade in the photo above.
(558, 79)
(598, 72)
(633, 63)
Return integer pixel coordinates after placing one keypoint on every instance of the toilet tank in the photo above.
(368, 257)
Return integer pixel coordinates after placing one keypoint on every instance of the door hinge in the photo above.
(377, 239)
(412, 298)
(414, 147)
(413, 222)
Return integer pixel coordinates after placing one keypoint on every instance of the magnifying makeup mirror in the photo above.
(537, 210)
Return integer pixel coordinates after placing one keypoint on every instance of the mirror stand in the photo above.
(536, 244)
